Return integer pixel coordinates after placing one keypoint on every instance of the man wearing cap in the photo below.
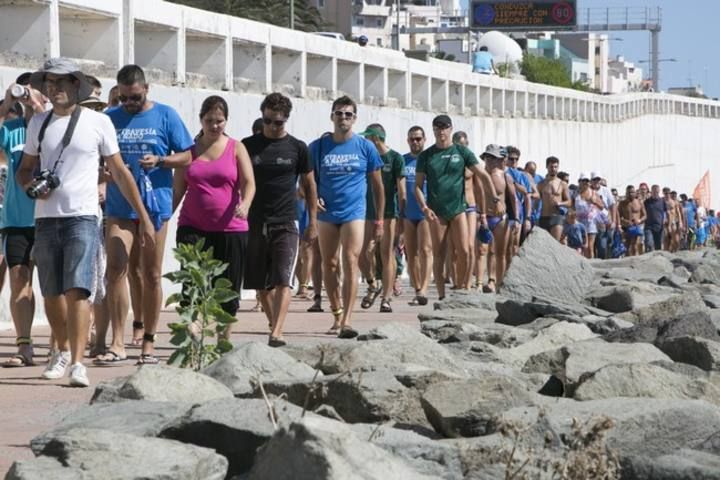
(443, 165)
(499, 197)
(393, 177)
(143, 127)
(343, 164)
(610, 213)
(555, 198)
(73, 140)
(18, 219)
(632, 217)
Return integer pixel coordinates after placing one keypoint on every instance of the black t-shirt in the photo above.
(655, 209)
(276, 166)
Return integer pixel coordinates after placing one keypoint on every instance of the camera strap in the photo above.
(66, 137)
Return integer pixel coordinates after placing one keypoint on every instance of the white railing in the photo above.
(187, 46)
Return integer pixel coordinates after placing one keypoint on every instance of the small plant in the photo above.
(199, 307)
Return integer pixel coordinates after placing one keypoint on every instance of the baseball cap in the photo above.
(494, 151)
(583, 176)
(596, 174)
(442, 121)
(373, 132)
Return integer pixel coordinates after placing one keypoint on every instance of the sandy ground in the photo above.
(30, 405)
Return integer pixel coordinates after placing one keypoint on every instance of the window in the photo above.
(597, 50)
(379, 23)
(379, 42)
(360, 21)
(597, 70)
(321, 3)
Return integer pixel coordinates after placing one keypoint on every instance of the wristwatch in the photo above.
(161, 162)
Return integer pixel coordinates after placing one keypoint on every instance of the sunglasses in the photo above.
(416, 139)
(277, 123)
(340, 114)
(441, 126)
(131, 98)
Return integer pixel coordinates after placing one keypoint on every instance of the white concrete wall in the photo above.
(655, 138)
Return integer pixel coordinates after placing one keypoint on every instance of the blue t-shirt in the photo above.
(341, 171)
(18, 209)
(482, 62)
(158, 131)
(521, 179)
(575, 234)
(690, 210)
(412, 209)
(537, 204)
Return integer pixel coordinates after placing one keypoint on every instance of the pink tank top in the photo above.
(212, 194)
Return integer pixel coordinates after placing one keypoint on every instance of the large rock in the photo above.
(550, 338)
(545, 269)
(443, 331)
(644, 380)
(685, 464)
(389, 354)
(254, 361)
(359, 397)
(464, 408)
(673, 307)
(464, 300)
(321, 449)
(42, 468)
(570, 363)
(429, 457)
(701, 352)
(141, 418)
(705, 273)
(161, 383)
(657, 330)
(516, 313)
(233, 427)
(107, 454)
(472, 316)
(644, 427)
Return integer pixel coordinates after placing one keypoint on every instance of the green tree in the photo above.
(545, 70)
(275, 12)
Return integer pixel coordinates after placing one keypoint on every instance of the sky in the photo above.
(686, 36)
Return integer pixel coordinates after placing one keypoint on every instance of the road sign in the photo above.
(522, 15)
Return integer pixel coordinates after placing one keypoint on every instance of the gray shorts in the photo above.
(65, 253)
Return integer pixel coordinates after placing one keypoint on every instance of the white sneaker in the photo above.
(56, 366)
(78, 375)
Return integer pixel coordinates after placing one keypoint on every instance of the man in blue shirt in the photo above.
(18, 221)
(483, 62)
(343, 163)
(143, 127)
(416, 230)
(522, 224)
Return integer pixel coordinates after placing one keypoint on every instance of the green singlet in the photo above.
(392, 170)
(444, 170)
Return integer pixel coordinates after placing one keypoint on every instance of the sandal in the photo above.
(397, 288)
(336, 324)
(347, 333)
(487, 288)
(414, 302)
(276, 342)
(317, 305)
(21, 359)
(137, 339)
(109, 358)
(385, 306)
(422, 300)
(370, 297)
(147, 359)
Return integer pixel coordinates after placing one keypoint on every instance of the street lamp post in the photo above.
(292, 14)
(656, 70)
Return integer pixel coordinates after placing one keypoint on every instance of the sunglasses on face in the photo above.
(277, 123)
(441, 126)
(416, 139)
(340, 114)
(130, 98)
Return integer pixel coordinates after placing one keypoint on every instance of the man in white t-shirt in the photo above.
(610, 216)
(66, 144)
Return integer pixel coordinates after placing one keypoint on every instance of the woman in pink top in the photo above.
(216, 177)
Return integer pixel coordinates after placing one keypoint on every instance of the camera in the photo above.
(19, 91)
(43, 183)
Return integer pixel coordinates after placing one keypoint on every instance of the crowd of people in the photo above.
(91, 186)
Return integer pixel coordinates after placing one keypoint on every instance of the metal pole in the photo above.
(396, 32)
(292, 14)
(655, 38)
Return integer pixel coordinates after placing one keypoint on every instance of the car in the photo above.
(335, 35)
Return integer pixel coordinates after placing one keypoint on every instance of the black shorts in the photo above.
(228, 247)
(546, 223)
(17, 245)
(271, 255)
